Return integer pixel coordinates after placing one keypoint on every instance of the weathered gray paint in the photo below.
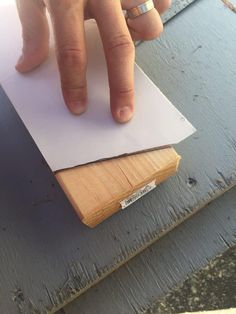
(47, 256)
(150, 275)
(176, 7)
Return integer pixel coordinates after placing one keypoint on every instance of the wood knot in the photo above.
(191, 182)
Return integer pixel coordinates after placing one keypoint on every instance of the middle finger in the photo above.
(119, 51)
(68, 22)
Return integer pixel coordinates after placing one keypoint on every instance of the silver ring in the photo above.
(140, 9)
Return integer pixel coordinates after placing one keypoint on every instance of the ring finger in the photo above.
(146, 26)
(119, 51)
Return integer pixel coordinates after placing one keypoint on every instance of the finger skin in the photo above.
(119, 51)
(162, 5)
(147, 26)
(35, 34)
(68, 23)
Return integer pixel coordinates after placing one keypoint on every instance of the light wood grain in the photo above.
(96, 190)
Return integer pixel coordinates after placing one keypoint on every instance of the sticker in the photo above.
(138, 194)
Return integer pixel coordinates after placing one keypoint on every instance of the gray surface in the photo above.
(151, 274)
(211, 288)
(47, 256)
(176, 7)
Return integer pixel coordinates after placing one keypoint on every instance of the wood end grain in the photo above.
(96, 190)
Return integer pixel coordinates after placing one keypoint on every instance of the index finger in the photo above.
(119, 51)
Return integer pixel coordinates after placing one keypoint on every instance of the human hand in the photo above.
(68, 24)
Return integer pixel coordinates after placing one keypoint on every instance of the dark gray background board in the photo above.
(47, 256)
(135, 286)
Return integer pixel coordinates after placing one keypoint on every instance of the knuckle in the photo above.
(72, 87)
(166, 5)
(70, 56)
(121, 44)
(152, 33)
(163, 6)
(124, 92)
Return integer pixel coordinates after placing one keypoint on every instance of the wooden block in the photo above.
(96, 190)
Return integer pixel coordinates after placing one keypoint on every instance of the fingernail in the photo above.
(124, 114)
(77, 107)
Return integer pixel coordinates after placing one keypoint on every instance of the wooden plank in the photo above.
(177, 6)
(96, 190)
(141, 282)
(47, 256)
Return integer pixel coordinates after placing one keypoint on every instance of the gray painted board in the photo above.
(47, 256)
(176, 7)
(153, 273)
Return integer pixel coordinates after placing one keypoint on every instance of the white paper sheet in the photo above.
(66, 140)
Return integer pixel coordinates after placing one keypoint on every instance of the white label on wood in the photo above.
(138, 194)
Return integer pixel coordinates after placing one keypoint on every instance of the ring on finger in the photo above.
(140, 9)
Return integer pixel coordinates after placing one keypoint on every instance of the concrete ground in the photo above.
(212, 288)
